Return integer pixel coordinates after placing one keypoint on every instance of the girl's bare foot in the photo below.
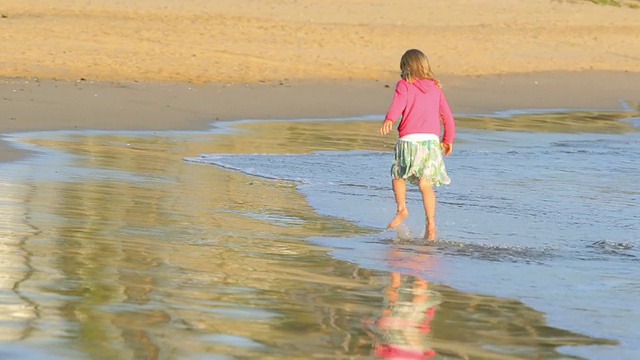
(430, 234)
(397, 220)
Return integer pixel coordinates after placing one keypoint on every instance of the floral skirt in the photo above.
(415, 160)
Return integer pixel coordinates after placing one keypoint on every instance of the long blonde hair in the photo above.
(414, 65)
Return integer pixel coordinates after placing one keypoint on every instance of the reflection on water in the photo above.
(123, 267)
(422, 319)
(564, 122)
(113, 247)
(404, 325)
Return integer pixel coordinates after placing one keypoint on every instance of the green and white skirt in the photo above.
(419, 156)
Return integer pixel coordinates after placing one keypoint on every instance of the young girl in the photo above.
(418, 152)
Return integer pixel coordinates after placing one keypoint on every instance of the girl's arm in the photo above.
(448, 122)
(398, 104)
(399, 101)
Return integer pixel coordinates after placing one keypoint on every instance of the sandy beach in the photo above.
(250, 41)
(179, 65)
(114, 246)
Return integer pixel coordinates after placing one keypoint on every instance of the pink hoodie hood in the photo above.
(424, 84)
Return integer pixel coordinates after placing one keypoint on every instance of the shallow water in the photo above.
(114, 247)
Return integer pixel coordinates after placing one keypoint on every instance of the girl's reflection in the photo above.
(402, 330)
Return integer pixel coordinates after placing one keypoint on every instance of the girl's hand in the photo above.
(447, 149)
(387, 125)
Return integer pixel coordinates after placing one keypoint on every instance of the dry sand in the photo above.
(178, 64)
(253, 40)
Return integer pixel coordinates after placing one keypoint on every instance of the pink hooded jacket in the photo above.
(422, 104)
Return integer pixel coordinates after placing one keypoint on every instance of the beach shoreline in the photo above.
(45, 104)
(169, 64)
(117, 244)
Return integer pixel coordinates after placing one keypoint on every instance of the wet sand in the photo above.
(119, 247)
(56, 104)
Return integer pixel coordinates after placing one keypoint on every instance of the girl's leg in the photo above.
(429, 201)
(400, 191)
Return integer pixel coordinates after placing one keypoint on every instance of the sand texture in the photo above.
(204, 41)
